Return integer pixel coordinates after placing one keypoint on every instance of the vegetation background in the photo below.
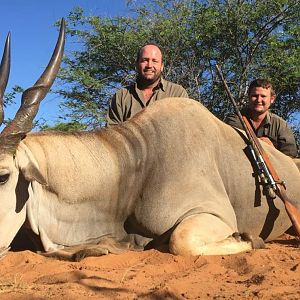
(247, 38)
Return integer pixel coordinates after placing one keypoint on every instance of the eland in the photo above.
(173, 175)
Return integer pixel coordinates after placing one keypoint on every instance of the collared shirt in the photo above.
(130, 100)
(273, 127)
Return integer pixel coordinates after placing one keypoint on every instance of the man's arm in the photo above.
(114, 113)
(183, 93)
(175, 90)
(286, 141)
(233, 120)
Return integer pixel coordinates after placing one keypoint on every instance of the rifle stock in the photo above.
(292, 211)
(277, 185)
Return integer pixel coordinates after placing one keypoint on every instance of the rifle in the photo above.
(267, 173)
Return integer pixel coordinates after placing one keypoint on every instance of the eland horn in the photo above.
(4, 74)
(31, 98)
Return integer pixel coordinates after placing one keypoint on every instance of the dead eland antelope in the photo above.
(173, 173)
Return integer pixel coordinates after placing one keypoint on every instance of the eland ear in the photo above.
(32, 173)
(29, 166)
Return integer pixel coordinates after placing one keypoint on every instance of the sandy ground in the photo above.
(271, 273)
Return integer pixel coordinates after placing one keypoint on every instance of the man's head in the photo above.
(261, 95)
(149, 63)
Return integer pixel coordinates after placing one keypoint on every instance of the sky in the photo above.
(33, 38)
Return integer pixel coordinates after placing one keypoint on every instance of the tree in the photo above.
(70, 126)
(248, 39)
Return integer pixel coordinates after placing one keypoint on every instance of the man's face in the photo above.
(149, 65)
(260, 100)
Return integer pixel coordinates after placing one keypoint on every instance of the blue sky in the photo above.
(33, 37)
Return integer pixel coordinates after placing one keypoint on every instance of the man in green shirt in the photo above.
(267, 126)
(148, 88)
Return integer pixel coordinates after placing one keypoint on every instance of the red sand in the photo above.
(271, 273)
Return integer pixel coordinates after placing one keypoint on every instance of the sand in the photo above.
(270, 273)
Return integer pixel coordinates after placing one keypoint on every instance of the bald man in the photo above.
(148, 88)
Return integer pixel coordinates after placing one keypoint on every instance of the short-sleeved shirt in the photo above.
(273, 127)
(129, 100)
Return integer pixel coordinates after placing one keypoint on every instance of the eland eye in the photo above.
(4, 178)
